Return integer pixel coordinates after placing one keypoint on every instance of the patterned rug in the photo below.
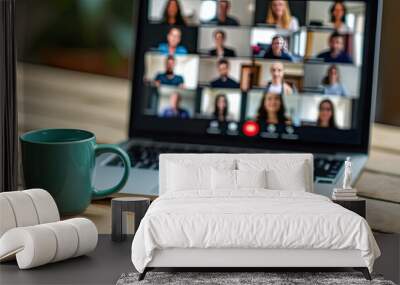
(243, 278)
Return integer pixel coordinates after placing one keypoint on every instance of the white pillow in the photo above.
(223, 179)
(185, 175)
(251, 178)
(236, 179)
(285, 174)
(183, 178)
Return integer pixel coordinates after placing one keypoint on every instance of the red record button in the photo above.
(250, 128)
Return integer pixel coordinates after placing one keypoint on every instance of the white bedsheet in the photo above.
(250, 219)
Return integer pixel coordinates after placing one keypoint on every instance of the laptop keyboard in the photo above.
(146, 157)
(327, 168)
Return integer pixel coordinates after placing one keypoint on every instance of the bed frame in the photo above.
(259, 259)
(242, 259)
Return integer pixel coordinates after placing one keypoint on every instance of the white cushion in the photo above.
(266, 161)
(251, 178)
(7, 218)
(40, 244)
(87, 233)
(237, 179)
(23, 208)
(26, 208)
(185, 174)
(45, 205)
(66, 237)
(223, 179)
(34, 244)
(183, 178)
(288, 175)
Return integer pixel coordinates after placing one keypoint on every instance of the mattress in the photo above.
(250, 219)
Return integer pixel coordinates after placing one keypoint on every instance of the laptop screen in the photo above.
(269, 74)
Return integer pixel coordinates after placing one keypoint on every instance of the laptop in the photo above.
(202, 83)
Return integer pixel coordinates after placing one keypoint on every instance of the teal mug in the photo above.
(62, 161)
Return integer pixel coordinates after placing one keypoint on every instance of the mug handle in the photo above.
(107, 148)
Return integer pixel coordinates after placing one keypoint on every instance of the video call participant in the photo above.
(221, 107)
(279, 14)
(338, 17)
(277, 49)
(173, 14)
(336, 52)
(222, 18)
(277, 85)
(220, 49)
(172, 46)
(174, 110)
(326, 114)
(272, 110)
(224, 81)
(331, 82)
(169, 77)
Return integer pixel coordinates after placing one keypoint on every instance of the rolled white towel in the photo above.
(87, 235)
(32, 246)
(23, 208)
(7, 218)
(45, 206)
(26, 208)
(40, 244)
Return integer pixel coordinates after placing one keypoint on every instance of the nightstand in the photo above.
(357, 206)
(136, 205)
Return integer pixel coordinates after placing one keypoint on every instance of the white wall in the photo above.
(185, 65)
(243, 10)
(349, 76)
(320, 42)
(262, 35)
(236, 38)
(253, 102)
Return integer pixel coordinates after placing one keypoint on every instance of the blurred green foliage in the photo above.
(100, 26)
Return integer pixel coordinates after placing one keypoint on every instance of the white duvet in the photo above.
(250, 219)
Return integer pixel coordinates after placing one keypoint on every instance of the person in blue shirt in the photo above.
(169, 77)
(224, 81)
(331, 82)
(174, 110)
(172, 46)
(278, 50)
(336, 52)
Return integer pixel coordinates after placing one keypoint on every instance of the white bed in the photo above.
(214, 211)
